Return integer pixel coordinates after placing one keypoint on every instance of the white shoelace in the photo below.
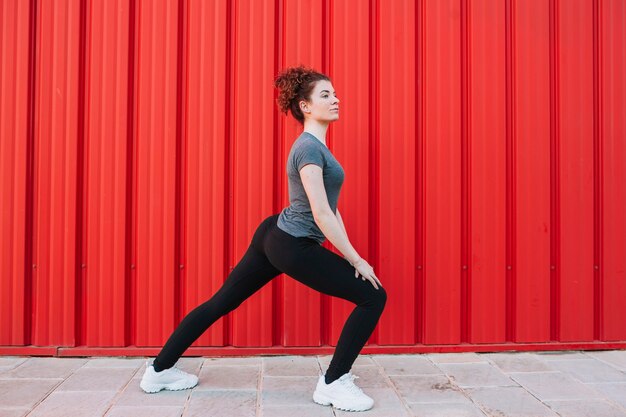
(349, 384)
(178, 371)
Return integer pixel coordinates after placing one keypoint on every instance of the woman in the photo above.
(290, 243)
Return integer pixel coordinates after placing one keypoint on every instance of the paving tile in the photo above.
(384, 398)
(369, 377)
(114, 363)
(476, 375)
(376, 412)
(616, 358)
(586, 408)
(13, 412)
(231, 403)
(228, 377)
(74, 404)
(234, 361)
(554, 386)
(134, 396)
(45, 368)
(573, 384)
(25, 392)
(518, 362)
(9, 362)
(589, 370)
(291, 366)
(288, 390)
(361, 360)
(615, 391)
(386, 402)
(145, 411)
(427, 389)
(97, 379)
(297, 410)
(467, 409)
(509, 401)
(406, 365)
(464, 357)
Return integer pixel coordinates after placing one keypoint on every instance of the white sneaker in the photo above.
(342, 394)
(172, 379)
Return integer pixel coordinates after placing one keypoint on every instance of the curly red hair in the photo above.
(296, 84)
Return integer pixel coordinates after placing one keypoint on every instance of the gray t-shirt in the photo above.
(297, 218)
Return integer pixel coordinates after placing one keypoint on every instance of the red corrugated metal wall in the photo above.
(483, 144)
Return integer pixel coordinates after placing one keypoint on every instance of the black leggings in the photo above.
(271, 252)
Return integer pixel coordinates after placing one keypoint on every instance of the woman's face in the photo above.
(323, 104)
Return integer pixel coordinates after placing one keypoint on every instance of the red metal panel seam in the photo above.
(419, 133)
(465, 192)
(510, 238)
(180, 167)
(374, 135)
(327, 36)
(36, 169)
(129, 287)
(30, 138)
(598, 330)
(554, 175)
(229, 131)
(81, 240)
(278, 304)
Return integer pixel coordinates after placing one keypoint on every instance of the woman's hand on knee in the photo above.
(365, 270)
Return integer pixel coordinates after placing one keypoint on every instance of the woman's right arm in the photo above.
(313, 183)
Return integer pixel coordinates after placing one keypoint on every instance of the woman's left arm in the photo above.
(341, 222)
(342, 226)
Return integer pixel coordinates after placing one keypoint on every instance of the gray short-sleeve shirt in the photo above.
(297, 218)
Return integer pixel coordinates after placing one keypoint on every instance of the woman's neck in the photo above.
(317, 129)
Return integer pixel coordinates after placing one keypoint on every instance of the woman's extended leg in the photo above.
(251, 273)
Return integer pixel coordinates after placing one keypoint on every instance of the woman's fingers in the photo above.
(373, 275)
(377, 280)
(373, 283)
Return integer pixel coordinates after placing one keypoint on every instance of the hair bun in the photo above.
(296, 84)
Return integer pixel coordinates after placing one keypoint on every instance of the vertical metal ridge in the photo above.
(278, 304)
(374, 135)
(419, 177)
(510, 272)
(598, 329)
(465, 309)
(179, 172)
(228, 174)
(554, 177)
(130, 243)
(30, 150)
(327, 36)
(80, 251)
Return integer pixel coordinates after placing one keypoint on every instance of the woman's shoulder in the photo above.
(306, 143)
(305, 150)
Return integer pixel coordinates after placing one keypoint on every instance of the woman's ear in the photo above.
(304, 106)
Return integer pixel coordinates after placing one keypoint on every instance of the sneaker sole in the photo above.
(323, 400)
(153, 389)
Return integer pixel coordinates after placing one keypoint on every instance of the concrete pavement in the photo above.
(533, 384)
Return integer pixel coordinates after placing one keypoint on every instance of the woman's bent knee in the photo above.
(381, 297)
(377, 298)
